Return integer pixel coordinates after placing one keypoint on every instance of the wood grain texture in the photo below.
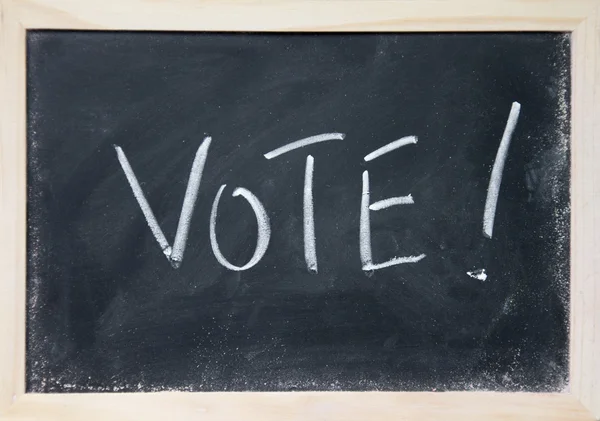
(307, 15)
(585, 226)
(12, 206)
(346, 406)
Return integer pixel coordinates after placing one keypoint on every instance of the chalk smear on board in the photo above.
(366, 254)
(262, 220)
(561, 136)
(310, 251)
(408, 140)
(304, 142)
(496, 178)
(478, 274)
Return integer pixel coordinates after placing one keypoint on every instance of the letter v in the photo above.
(175, 254)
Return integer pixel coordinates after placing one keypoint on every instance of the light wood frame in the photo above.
(581, 401)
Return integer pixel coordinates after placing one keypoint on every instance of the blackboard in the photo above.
(249, 303)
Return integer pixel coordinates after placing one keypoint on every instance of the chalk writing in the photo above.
(496, 178)
(175, 254)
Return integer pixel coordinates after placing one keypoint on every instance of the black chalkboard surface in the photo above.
(173, 245)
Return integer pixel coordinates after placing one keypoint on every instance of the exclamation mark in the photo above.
(496, 178)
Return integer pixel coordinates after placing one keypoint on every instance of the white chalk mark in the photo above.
(304, 142)
(264, 228)
(478, 274)
(393, 262)
(366, 255)
(144, 205)
(310, 251)
(189, 202)
(496, 178)
(408, 140)
(392, 201)
(175, 254)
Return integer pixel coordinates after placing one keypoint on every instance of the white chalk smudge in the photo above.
(310, 251)
(478, 274)
(408, 140)
(304, 142)
(264, 229)
(366, 255)
(496, 178)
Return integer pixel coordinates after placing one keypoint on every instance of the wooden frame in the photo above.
(581, 401)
